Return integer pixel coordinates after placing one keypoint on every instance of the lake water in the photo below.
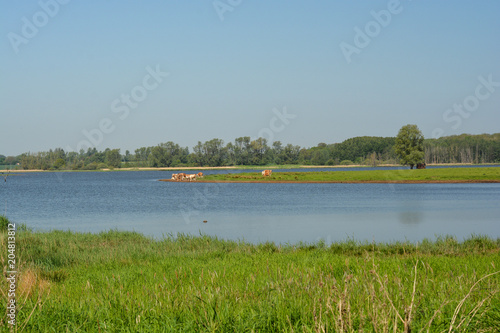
(282, 213)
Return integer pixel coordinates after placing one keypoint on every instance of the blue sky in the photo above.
(233, 66)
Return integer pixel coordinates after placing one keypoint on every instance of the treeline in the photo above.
(58, 159)
(8, 160)
(243, 151)
(484, 148)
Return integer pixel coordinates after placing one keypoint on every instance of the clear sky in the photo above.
(301, 72)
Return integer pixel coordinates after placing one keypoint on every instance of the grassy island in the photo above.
(126, 282)
(436, 175)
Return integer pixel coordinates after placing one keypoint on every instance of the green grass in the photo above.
(438, 174)
(125, 282)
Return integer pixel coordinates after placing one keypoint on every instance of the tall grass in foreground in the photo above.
(125, 282)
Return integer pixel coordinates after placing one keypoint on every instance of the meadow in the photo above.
(481, 174)
(125, 282)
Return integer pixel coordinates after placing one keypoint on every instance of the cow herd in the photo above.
(179, 177)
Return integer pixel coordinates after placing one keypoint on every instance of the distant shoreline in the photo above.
(238, 167)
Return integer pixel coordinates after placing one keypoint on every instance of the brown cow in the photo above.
(267, 173)
(421, 165)
(200, 175)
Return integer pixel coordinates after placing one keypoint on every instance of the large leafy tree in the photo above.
(410, 145)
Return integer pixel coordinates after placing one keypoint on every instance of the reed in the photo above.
(123, 281)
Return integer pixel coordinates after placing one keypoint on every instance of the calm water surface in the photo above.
(283, 213)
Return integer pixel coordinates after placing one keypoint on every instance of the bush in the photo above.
(4, 222)
(91, 166)
(346, 162)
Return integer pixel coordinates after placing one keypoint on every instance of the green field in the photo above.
(482, 174)
(125, 282)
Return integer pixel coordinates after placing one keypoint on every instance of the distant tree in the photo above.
(127, 157)
(258, 151)
(242, 151)
(11, 160)
(158, 157)
(113, 158)
(215, 152)
(276, 152)
(290, 154)
(59, 153)
(59, 163)
(142, 155)
(230, 153)
(371, 159)
(168, 154)
(320, 156)
(210, 153)
(410, 145)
